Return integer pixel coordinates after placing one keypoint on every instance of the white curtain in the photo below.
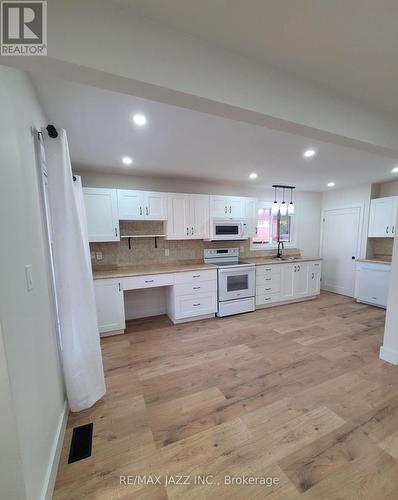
(80, 343)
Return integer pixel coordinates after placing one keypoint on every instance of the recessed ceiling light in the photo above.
(253, 175)
(309, 153)
(331, 184)
(395, 170)
(139, 119)
(127, 160)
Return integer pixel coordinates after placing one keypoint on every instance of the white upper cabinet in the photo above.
(141, 205)
(188, 216)
(102, 214)
(178, 222)
(251, 216)
(383, 212)
(199, 216)
(227, 207)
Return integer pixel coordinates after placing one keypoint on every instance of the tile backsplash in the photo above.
(143, 250)
(381, 247)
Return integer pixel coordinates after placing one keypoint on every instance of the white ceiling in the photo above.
(350, 46)
(187, 144)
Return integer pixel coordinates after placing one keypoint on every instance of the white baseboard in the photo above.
(49, 482)
(389, 355)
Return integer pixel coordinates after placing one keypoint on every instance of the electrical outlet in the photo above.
(92, 255)
(99, 255)
(166, 252)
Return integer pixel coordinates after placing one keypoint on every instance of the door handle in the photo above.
(196, 305)
(230, 209)
(120, 287)
(196, 276)
(140, 210)
(196, 288)
(147, 210)
(187, 231)
(225, 209)
(149, 281)
(388, 229)
(115, 231)
(295, 269)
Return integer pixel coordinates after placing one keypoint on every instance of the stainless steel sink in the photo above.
(287, 258)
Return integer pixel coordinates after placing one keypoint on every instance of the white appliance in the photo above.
(372, 283)
(228, 229)
(236, 281)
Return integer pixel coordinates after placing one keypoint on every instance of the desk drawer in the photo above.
(148, 281)
(266, 270)
(195, 288)
(193, 276)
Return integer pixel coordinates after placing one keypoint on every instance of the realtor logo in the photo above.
(23, 28)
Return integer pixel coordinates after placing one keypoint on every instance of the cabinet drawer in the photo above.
(195, 288)
(148, 281)
(315, 267)
(268, 280)
(195, 305)
(267, 270)
(268, 289)
(193, 276)
(267, 298)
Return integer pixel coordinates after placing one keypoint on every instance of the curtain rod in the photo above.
(53, 133)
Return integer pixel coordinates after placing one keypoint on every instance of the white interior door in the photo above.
(341, 240)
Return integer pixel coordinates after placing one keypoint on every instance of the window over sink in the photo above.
(272, 228)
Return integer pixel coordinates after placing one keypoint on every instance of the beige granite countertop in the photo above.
(268, 260)
(142, 270)
(375, 260)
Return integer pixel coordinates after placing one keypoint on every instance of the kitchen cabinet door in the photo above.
(314, 282)
(155, 205)
(102, 214)
(130, 204)
(301, 280)
(219, 207)
(383, 212)
(178, 221)
(288, 272)
(236, 207)
(110, 305)
(199, 216)
(251, 216)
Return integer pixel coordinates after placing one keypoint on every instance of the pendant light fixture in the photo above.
(283, 207)
(275, 205)
(291, 208)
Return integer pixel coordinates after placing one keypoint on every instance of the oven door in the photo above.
(226, 230)
(236, 283)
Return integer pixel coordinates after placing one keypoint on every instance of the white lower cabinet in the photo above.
(110, 305)
(372, 283)
(194, 294)
(287, 281)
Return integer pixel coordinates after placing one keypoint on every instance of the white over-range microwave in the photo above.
(231, 229)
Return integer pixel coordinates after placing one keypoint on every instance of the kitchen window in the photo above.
(272, 228)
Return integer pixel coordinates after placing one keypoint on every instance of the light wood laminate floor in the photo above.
(296, 393)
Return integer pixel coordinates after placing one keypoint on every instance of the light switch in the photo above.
(99, 255)
(29, 277)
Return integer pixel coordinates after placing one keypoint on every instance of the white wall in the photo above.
(308, 203)
(351, 197)
(26, 317)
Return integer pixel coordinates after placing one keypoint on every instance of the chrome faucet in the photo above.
(279, 254)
